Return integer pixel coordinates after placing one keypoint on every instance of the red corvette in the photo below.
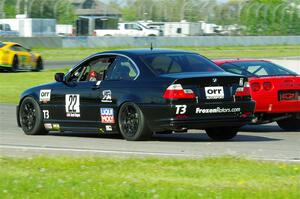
(275, 89)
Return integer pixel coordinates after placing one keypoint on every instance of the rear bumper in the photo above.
(164, 117)
(265, 106)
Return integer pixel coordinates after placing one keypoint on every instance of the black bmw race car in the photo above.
(138, 93)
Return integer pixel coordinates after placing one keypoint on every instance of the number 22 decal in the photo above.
(72, 105)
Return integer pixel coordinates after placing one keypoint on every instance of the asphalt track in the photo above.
(265, 142)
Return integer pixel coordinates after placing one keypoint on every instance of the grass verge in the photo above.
(13, 84)
(101, 177)
(210, 52)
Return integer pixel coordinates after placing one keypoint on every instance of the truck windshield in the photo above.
(178, 63)
(256, 68)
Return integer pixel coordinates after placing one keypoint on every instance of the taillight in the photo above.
(243, 91)
(255, 86)
(267, 86)
(175, 91)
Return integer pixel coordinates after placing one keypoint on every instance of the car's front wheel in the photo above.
(132, 123)
(31, 118)
(289, 124)
(222, 133)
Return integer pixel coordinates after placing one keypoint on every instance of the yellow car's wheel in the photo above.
(15, 63)
(39, 64)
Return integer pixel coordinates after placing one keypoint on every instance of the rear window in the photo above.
(258, 68)
(178, 63)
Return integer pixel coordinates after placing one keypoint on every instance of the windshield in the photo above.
(179, 63)
(256, 68)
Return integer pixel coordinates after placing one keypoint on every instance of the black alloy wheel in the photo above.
(31, 118)
(132, 123)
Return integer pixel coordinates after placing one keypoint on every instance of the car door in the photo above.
(76, 100)
(116, 86)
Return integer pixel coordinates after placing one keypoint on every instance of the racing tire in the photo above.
(31, 117)
(132, 123)
(39, 65)
(222, 133)
(15, 64)
(289, 124)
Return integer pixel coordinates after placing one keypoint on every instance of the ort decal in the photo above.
(106, 96)
(45, 95)
(214, 92)
(72, 105)
(107, 115)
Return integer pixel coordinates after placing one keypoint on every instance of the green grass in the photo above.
(13, 84)
(210, 52)
(66, 177)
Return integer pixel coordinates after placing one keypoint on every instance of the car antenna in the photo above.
(151, 46)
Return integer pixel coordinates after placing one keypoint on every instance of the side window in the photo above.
(257, 70)
(123, 69)
(14, 48)
(93, 69)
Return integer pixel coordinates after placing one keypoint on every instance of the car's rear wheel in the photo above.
(222, 133)
(289, 124)
(39, 64)
(15, 64)
(132, 123)
(31, 118)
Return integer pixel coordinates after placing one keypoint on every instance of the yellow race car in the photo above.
(15, 57)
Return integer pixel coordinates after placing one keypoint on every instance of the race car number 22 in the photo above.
(72, 105)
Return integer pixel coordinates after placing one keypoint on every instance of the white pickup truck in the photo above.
(128, 29)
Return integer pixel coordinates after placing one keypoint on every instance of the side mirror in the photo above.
(59, 77)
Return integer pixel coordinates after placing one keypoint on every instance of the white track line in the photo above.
(37, 148)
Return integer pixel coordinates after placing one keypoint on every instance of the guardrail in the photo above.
(91, 42)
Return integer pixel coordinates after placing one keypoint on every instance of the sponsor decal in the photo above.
(108, 128)
(55, 127)
(72, 105)
(107, 115)
(241, 82)
(45, 95)
(46, 114)
(214, 92)
(48, 126)
(218, 110)
(180, 109)
(106, 96)
(101, 130)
